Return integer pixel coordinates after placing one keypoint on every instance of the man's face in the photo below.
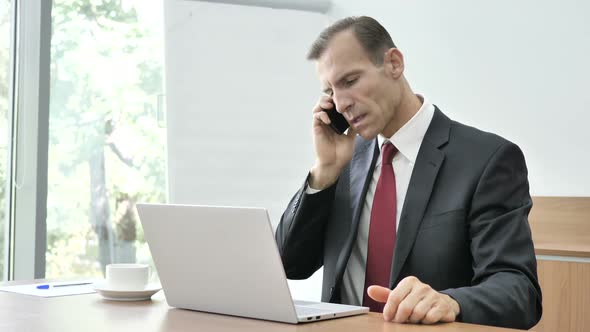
(366, 94)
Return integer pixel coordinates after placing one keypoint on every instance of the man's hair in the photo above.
(370, 34)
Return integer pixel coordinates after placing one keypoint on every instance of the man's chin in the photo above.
(367, 135)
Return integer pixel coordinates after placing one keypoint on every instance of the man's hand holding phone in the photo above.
(333, 150)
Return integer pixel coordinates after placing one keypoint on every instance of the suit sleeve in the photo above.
(300, 234)
(505, 290)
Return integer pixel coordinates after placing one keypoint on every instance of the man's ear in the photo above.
(393, 61)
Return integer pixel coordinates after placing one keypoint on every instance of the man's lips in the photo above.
(357, 119)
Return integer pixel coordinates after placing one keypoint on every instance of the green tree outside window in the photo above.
(106, 147)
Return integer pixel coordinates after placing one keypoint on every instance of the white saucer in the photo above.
(108, 293)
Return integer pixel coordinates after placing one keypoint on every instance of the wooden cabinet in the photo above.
(561, 232)
(566, 296)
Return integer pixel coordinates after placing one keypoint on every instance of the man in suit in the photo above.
(409, 212)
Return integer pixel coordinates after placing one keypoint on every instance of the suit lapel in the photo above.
(361, 171)
(428, 163)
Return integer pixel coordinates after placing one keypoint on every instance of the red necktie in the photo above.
(381, 229)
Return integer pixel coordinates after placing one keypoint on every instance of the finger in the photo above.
(322, 117)
(397, 295)
(326, 99)
(433, 316)
(323, 105)
(327, 104)
(378, 293)
(407, 305)
(422, 308)
(449, 316)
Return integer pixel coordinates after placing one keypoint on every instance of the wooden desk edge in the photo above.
(555, 251)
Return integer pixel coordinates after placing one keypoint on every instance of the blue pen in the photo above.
(63, 285)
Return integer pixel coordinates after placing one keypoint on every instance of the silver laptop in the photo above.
(225, 260)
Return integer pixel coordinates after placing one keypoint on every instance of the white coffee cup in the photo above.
(127, 277)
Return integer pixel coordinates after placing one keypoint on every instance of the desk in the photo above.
(91, 313)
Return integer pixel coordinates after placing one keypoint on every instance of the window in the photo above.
(5, 21)
(106, 136)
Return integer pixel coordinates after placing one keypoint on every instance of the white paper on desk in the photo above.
(31, 289)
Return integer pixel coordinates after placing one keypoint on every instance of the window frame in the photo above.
(29, 128)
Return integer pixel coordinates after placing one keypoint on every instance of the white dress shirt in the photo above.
(407, 140)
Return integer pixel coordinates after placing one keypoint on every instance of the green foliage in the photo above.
(106, 73)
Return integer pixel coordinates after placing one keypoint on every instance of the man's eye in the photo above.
(351, 81)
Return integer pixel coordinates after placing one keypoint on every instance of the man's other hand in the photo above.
(415, 302)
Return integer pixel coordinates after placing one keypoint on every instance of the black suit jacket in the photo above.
(463, 228)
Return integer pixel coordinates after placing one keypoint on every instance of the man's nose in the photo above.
(342, 103)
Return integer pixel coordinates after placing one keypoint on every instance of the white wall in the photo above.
(238, 94)
(516, 68)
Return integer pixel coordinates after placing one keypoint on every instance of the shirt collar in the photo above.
(409, 137)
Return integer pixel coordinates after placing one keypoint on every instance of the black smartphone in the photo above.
(337, 121)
